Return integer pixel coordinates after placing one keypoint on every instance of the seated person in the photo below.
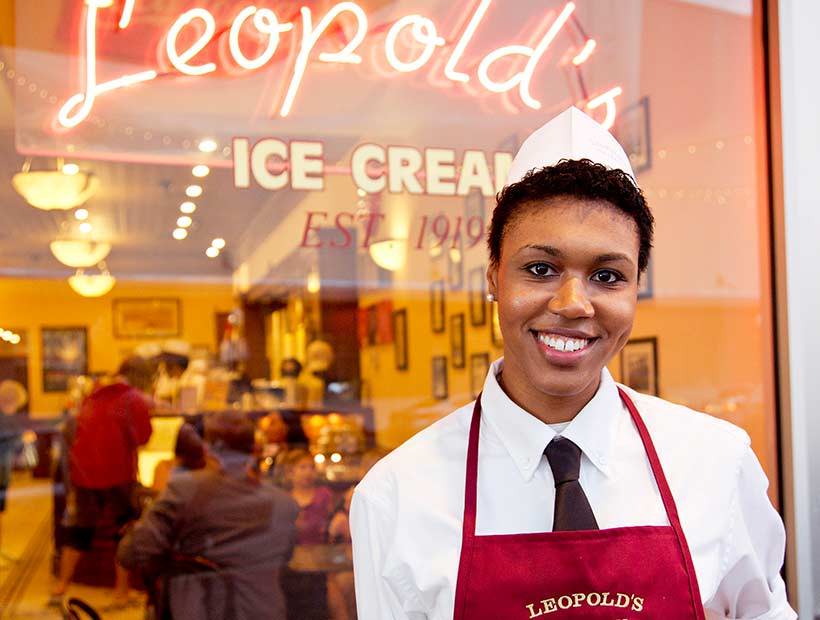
(315, 502)
(226, 533)
(307, 588)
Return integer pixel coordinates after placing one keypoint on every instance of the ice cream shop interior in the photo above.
(279, 210)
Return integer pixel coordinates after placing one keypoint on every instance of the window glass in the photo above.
(283, 211)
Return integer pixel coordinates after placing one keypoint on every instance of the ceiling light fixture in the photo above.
(187, 207)
(183, 221)
(212, 252)
(390, 254)
(218, 243)
(81, 214)
(71, 169)
(179, 234)
(86, 228)
(314, 283)
(207, 145)
(200, 171)
(54, 189)
(193, 191)
(95, 285)
(79, 253)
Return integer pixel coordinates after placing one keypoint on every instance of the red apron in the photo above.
(634, 573)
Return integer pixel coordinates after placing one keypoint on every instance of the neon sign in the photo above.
(266, 26)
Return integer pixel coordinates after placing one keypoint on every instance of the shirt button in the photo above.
(527, 461)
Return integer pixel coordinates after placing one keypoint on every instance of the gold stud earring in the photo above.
(490, 297)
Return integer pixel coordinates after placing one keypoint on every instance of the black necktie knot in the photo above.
(564, 458)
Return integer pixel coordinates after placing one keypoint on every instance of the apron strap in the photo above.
(468, 526)
(666, 496)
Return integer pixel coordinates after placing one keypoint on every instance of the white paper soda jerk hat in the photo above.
(570, 135)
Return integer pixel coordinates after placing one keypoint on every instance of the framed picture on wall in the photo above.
(479, 367)
(65, 355)
(400, 338)
(639, 365)
(495, 327)
(437, 306)
(439, 367)
(473, 208)
(147, 318)
(645, 282)
(455, 265)
(477, 291)
(372, 325)
(457, 340)
(632, 129)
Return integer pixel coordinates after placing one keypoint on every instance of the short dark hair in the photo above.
(139, 372)
(230, 429)
(580, 179)
(189, 448)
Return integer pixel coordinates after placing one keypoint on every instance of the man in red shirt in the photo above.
(114, 420)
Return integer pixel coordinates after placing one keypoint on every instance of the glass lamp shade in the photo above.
(53, 189)
(92, 285)
(78, 253)
(390, 254)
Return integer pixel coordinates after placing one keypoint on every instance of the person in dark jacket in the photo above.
(113, 422)
(12, 398)
(234, 532)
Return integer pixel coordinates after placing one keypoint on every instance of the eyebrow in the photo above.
(600, 259)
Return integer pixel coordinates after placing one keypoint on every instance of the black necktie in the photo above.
(572, 509)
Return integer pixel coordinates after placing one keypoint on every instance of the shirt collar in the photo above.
(524, 436)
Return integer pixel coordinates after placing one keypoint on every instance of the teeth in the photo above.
(559, 343)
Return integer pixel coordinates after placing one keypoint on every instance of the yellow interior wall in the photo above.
(28, 305)
(403, 399)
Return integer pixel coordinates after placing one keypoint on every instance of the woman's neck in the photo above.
(548, 408)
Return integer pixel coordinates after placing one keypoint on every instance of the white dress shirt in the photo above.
(407, 512)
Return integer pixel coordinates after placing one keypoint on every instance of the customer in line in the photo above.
(218, 538)
(113, 422)
(13, 396)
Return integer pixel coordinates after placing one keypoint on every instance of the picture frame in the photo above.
(474, 206)
(479, 367)
(64, 354)
(645, 283)
(477, 296)
(632, 130)
(496, 337)
(372, 325)
(639, 365)
(440, 385)
(455, 265)
(400, 339)
(149, 317)
(437, 306)
(457, 340)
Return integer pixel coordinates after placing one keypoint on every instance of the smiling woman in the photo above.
(591, 496)
(567, 246)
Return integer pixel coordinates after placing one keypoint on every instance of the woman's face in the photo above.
(304, 473)
(566, 287)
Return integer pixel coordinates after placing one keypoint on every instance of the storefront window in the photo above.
(284, 208)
